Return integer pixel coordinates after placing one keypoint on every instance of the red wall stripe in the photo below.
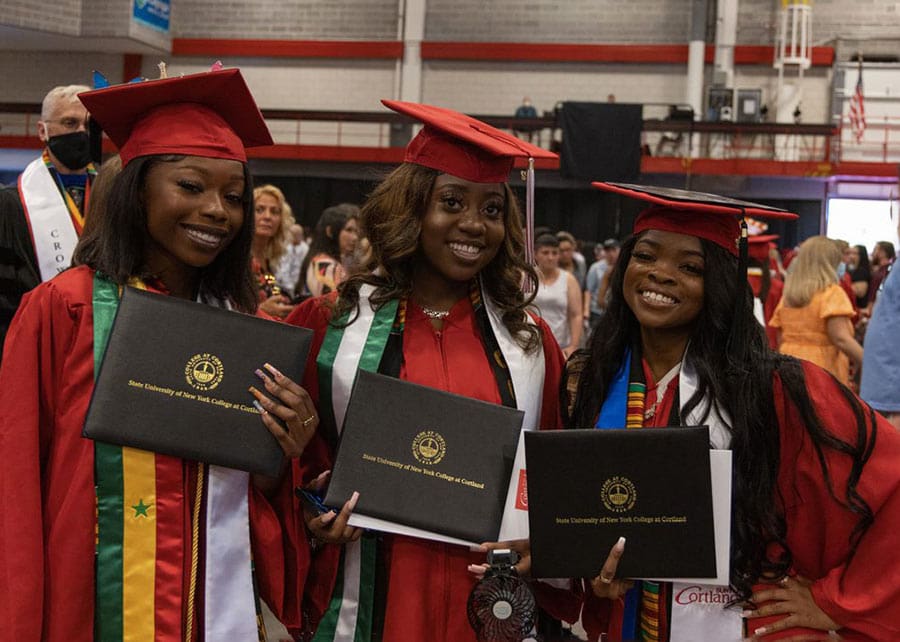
(389, 49)
(498, 51)
(619, 53)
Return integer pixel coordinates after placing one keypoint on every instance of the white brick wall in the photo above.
(61, 16)
(574, 21)
(286, 19)
(475, 87)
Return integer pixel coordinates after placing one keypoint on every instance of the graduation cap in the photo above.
(707, 216)
(462, 146)
(758, 247)
(467, 148)
(210, 114)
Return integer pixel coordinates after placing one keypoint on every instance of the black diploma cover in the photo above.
(174, 381)
(425, 458)
(587, 488)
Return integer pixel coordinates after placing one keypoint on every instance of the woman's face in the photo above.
(348, 237)
(268, 216)
(664, 281)
(194, 210)
(547, 258)
(463, 227)
(853, 260)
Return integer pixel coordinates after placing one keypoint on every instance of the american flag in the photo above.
(857, 108)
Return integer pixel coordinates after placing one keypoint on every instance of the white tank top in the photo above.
(552, 303)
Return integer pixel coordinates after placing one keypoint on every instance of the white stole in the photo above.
(527, 374)
(697, 609)
(52, 231)
(229, 599)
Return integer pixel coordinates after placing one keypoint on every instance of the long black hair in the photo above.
(115, 243)
(735, 369)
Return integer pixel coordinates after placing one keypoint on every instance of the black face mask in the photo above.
(72, 150)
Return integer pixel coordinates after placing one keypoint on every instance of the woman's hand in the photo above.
(606, 585)
(332, 527)
(520, 546)
(292, 405)
(277, 305)
(791, 597)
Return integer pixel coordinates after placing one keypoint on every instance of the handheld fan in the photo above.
(501, 606)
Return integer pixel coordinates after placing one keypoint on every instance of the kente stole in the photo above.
(140, 545)
(644, 615)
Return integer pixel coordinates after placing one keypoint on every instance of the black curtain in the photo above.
(601, 141)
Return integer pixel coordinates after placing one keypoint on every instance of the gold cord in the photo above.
(195, 554)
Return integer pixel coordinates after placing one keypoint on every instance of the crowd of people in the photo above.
(427, 281)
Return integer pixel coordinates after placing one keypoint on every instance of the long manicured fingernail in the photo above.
(353, 499)
(262, 375)
(760, 631)
(620, 544)
(746, 613)
(328, 517)
(259, 407)
(273, 370)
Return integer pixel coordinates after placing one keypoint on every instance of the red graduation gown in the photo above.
(428, 583)
(861, 594)
(47, 500)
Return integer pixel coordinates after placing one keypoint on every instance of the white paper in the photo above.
(376, 524)
(514, 523)
(720, 474)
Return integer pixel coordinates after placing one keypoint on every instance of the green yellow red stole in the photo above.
(141, 548)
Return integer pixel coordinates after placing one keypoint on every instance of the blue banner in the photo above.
(153, 14)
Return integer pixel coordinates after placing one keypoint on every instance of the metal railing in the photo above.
(661, 136)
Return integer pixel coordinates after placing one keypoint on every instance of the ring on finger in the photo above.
(309, 420)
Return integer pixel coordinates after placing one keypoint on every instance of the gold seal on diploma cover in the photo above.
(429, 447)
(204, 371)
(618, 494)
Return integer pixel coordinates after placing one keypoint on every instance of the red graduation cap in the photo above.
(707, 216)
(758, 247)
(210, 114)
(462, 146)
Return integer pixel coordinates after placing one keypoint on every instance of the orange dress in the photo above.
(804, 333)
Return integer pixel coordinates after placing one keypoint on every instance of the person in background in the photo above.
(99, 539)
(883, 255)
(591, 285)
(570, 259)
(880, 382)
(288, 271)
(273, 218)
(611, 255)
(527, 110)
(42, 216)
(814, 316)
(860, 274)
(816, 486)
(766, 289)
(333, 246)
(444, 270)
(558, 299)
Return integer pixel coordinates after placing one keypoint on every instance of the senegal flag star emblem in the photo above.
(140, 509)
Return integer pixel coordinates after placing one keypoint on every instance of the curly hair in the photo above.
(391, 220)
(116, 242)
(735, 369)
(277, 245)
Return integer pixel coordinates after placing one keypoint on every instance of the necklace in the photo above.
(435, 314)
